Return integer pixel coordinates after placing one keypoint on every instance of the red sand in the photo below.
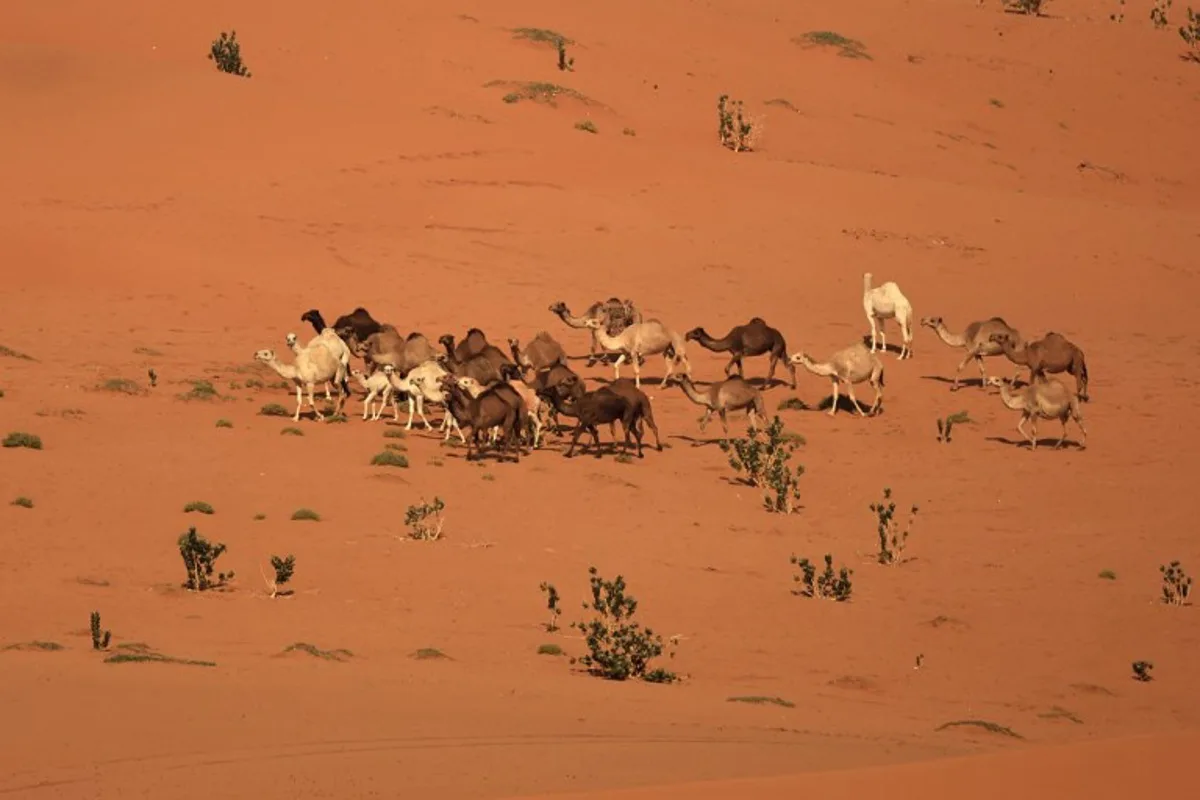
(161, 214)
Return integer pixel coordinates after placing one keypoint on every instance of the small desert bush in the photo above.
(549, 650)
(618, 647)
(764, 464)
(23, 502)
(100, 638)
(201, 390)
(425, 520)
(226, 53)
(18, 439)
(1190, 33)
(284, 569)
(8, 352)
(120, 385)
(1031, 7)
(945, 425)
(565, 64)
(291, 432)
(1176, 584)
(389, 458)
(200, 558)
(792, 404)
(1107, 574)
(394, 433)
(338, 654)
(1142, 670)
(301, 514)
(224, 423)
(335, 419)
(552, 599)
(199, 507)
(274, 410)
(828, 585)
(733, 130)
(1158, 14)
(846, 47)
(587, 126)
(892, 538)
(629, 131)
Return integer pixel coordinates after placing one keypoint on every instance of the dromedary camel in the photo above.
(731, 394)
(755, 338)
(852, 365)
(1052, 353)
(617, 315)
(378, 384)
(1045, 398)
(328, 339)
(643, 339)
(542, 352)
(310, 367)
(975, 339)
(884, 302)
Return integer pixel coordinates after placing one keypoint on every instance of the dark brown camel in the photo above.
(1052, 353)
(755, 338)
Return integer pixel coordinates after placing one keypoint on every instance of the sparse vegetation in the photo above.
(425, 520)
(541, 35)
(136, 653)
(428, 653)
(335, 419)
(549, 650)
(389, 458)
(306, 514)
(200, 557)
(629, 131)
(8, 352)
(199, 507)
(23, 502)
(587, 126)
(201, 390)
(1031, 7)
(1119, 14)
(291, 432)
(1176, 584)
(551, 604)
(846, 47)
(121, 385)
(339, 654)
(1190, 33)
(764, 463)
(946, 424)
(564, 64)
(284, 569)
(1158, 14)
(734, 131)
(990, 727)
(1107, 574)
(226, 53)
(259, 517)
(1142, 670)
(782, 102)
(995, 102)
(760, 700)
(1058, 712)
(100, 638)
(828, 585)
(273, 410)
(892, 539)
(538, 91)
(18, 439)
(618, 647)
(394, 433)
(44, 647)
(792, 404)
(224, 423)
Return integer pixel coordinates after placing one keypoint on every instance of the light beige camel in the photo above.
(1044, 398)
(976, 339)
(614, 313)
(329, 339)
(309, 368)
(884, 302)
(377, 384)
(639, 340)
(731, 394)
(849, 366)
(423, 384)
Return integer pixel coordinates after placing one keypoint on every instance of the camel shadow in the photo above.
(846, 404)
(976, 383)
(1047, 443)
(891, 348)
(695, 442)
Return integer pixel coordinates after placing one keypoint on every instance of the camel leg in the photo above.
(617, 366)
(367, 403)
(874, 330)
(411, 405)
(421, 412)
(670, 362)
(299, 403)
(1024, 433)
(637, 372)
(1062, 440)
(704, 419)
(729, 367)
(724, 421)
(313, 403)
(1033, 432)
(882, 336)
(574, 440)
(771, 369)
(833, 408)
(959, 369)
(1082, 431)
(596, 440)
(878, 397)
(982, 373)
(853, 399)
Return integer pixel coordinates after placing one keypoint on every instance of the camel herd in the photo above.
(510, 398)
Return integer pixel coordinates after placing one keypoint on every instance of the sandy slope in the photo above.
(162, 215)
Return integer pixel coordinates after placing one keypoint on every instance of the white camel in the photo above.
(884, 302)
(310, 367)
(423, 384)
(377, 384)
(329, 339)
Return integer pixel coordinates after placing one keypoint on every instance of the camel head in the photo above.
(694, 334)
(558, 307)
(996, 380)
(291, 340)
(264, 355)
(446, 340)
(389, 370)
(469, 384)
(931, 322)
(355, 372)
(510, 372)
(313, 317)
(799, 358)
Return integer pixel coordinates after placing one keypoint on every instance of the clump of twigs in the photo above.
(1176, 584)
(564, 64)
(734, 130)
(552, 599)
(1142, 670)
(226, 53)
(284, 569)
(892, 538)
(945, 425)
(829, 585)
(100, 638)
(425, 520)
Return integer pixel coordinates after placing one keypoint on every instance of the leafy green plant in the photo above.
(305, 514)
(944, 426)
(892, 539)
(226, 53)
(100, 638)
(1190, 33)
(828, 585)
(1176, 584)
(23, 502)
(291, 432)
(551, 604)
(549, 650)
(764, 464)
(199, 507)
(425, 520)
(618, 647)
(1142, 670)
(200, 557)
(18, 439)
(564, 64)
(1158, 14)
(201, 390)
(734, 131)
(284, 569)
(389, 458)
(273, 410)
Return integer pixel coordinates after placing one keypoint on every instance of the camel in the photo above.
(498, 405)
(359, 321)
(1044, 398)
(423, 384)
(308, 368)
(329, 339)
(377, 383)
(884, 302)
(731, 394)
(389, 347)
(1052, 353)
(755, 338)
(474, 343)
(536, 408)
(597, 407)
(975, 339)
(542, 352)
(571, 386)
(616, 315)
(643, 339)
(849, 366)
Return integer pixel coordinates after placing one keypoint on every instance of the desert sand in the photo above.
(162, 215)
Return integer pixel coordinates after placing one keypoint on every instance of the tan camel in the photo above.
(1052, 353)
(884, 302)
(643, 339)
(389, 347)
(852, 365)
(975, 339)
(1044, 398)
(617, 315)
(309, 368)
(731, 394)
(329, 339)
(542, 352)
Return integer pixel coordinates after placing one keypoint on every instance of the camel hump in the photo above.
(757, 321)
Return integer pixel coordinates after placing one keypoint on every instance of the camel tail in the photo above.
(881, 377)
